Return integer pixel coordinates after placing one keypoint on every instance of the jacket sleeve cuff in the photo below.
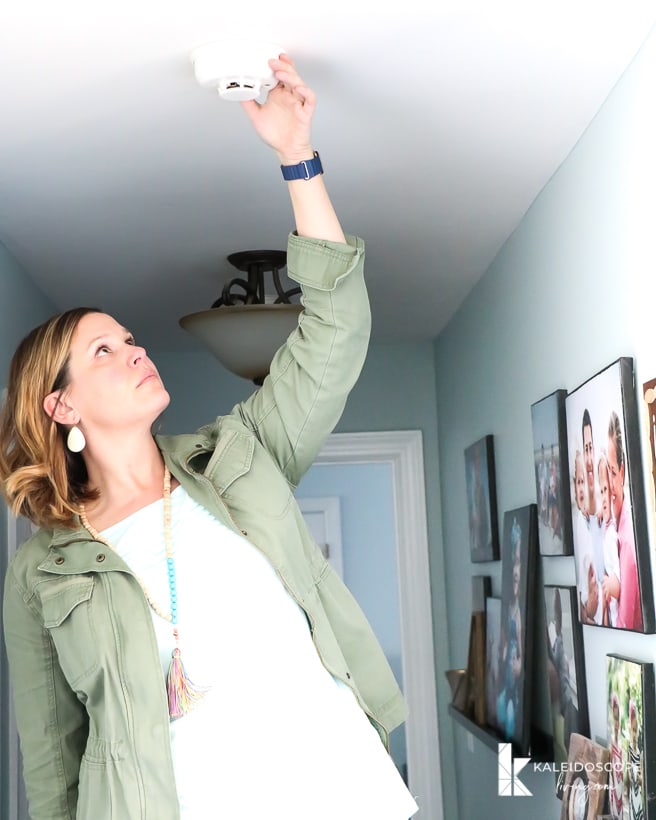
(321, 264)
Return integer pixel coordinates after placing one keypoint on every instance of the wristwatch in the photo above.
(306, 169)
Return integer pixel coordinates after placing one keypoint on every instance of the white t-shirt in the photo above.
(585, 542)
(275, 736)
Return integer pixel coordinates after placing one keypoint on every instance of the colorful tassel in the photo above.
(182, 693)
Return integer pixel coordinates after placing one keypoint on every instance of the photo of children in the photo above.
(613, 568)
(551, 474)
(519, 547)
(481, 501)
(569, 709)
(631, 713)
(492, 664)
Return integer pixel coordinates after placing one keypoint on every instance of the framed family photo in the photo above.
(609, 524)
(586, 781)
(631, 710)
(519, 558)
(482, 500)
(492, 659)
(549, 427)
(565, 668)
(481, 590)
(649, 396)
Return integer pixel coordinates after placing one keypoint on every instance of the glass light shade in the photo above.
(244, 338)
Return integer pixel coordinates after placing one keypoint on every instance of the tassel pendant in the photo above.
(182, 693)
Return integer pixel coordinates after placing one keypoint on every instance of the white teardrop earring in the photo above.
(75, 440)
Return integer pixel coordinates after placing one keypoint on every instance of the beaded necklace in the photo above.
(182, 693)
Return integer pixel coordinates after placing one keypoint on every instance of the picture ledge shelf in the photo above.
(541, 748)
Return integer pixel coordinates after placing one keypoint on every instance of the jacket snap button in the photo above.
(59, 560)
(100, 557)
(243, 532)
(348, 676)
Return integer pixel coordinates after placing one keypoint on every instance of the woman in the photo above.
(155, 551)
(629, 614)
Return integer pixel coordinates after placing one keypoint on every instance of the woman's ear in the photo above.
(58, 410)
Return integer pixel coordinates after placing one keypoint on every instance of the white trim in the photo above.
(403, 449)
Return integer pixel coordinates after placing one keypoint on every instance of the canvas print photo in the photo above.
(515, 648)
(565, 669)
(630, 709)
(492, 659)
(482, 500)
(586, 783)
(551, 474)
(611, 549)
(649, 396)
(481, 589)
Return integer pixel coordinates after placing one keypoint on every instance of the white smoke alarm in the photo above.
(238, 69)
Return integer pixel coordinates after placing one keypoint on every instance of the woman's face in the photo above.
(113, 384)
(616, 475)
(579, 480)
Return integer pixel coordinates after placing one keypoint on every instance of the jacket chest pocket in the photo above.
(66, 608)
(248, 478)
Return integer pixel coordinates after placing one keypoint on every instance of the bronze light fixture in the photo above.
(245, 326)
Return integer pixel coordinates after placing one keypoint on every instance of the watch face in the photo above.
(578, 798)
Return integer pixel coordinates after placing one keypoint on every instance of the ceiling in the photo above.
(124, 184)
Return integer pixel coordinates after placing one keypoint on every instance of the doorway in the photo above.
(403, 451)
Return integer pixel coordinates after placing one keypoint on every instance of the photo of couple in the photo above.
(610, 545)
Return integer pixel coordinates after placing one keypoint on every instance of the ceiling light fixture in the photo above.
(238, 69)
(245, 326)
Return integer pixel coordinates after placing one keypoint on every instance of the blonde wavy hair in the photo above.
(40, 478)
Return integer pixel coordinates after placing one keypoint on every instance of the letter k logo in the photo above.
(509, 783)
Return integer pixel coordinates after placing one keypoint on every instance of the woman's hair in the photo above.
(615, 433)
(41, 479)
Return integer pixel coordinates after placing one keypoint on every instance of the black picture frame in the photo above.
(631, 696)
(481, 590)
(614, 592)
(482, 500)
(492, 659)
(519, 558)
(568, 697)
(549, 427)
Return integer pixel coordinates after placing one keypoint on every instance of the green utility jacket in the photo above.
(89, 692)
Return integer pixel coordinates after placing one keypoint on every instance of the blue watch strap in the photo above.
(306, 169)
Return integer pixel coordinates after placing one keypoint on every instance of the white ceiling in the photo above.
(124, 184)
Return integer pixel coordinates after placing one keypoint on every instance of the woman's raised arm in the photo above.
(284, 122)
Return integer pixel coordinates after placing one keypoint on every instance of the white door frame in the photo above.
(403, 449)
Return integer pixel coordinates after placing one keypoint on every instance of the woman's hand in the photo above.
(284, 120)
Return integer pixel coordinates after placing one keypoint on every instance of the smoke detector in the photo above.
(238, 69)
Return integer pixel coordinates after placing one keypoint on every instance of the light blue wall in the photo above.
(571, 291)
(396, 391)
(22, 306)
